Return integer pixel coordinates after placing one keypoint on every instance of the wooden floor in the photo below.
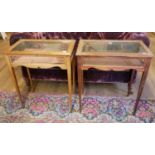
(90, 89)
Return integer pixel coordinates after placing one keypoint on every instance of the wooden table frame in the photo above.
(82, 65)
(68, 57)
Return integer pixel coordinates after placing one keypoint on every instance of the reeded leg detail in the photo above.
(142, 83)
(80, 83)
(14, 78)
(69, 76)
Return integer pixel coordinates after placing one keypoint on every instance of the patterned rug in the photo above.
(51, 108)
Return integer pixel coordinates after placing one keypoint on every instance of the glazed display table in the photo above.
(113, 55)
(43, 54)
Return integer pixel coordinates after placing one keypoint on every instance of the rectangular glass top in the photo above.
(112, 46)
(45, 46)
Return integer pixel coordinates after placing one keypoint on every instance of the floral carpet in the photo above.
(41, 108)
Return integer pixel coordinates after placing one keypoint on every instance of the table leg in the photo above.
(142, 83)
(14, 78)
(29, 77)
(130, 83)
(73, 74)
(80, 82)
(69, 76)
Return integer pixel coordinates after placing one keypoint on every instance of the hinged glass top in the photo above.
(112, 46)
(41, 46)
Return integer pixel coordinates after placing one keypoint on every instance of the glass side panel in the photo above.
(130, 47)
(41, 46)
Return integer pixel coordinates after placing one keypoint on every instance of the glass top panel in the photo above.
(41, 46)
(109, 46)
